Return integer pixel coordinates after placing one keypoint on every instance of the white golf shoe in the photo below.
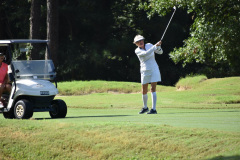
(1, 105)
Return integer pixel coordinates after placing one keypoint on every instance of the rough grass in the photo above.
(190, 82)
(54, 140)
(88, 87)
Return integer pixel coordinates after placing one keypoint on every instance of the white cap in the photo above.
(138, 38)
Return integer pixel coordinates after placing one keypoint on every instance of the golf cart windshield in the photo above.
(34, 69)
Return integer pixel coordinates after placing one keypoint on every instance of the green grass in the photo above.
(211, 93)
(199, 123)
(201, 91)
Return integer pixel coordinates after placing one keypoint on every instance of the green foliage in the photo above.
(14, 19)
(214, 34)
(95, 37)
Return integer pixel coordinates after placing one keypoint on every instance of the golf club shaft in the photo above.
(169, 22)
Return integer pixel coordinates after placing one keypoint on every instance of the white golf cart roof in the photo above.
(11, 41)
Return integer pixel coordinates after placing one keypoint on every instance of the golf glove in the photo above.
(159, 50)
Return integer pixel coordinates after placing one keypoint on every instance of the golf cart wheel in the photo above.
(23, 109)
(59, 109)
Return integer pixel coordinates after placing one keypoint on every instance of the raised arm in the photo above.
(142, 53)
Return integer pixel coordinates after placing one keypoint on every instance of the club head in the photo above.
(174, 7)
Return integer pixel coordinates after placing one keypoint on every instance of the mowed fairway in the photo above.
(200, 123)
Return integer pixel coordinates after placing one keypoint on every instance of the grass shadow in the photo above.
(236, 157)
(102, 116)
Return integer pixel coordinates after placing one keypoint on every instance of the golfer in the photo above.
(4, 86)
(149, 70)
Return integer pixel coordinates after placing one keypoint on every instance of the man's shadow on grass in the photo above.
(71, 117)
(105, 116)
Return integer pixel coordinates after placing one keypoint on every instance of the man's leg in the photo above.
(8, 88)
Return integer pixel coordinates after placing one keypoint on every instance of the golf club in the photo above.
(169, 22)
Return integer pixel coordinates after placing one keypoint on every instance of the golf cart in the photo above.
(33, 88)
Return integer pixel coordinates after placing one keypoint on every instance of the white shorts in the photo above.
(150, 76)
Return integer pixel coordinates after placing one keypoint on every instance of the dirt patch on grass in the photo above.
(183, 88)
(202, 80)
(117, 92)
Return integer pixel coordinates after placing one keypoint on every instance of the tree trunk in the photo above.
(52, 28)
(35, 26)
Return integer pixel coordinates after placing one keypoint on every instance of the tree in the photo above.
(35, 24)
(96, 40)
(52, 28)
(215, 34)
(95, 37)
